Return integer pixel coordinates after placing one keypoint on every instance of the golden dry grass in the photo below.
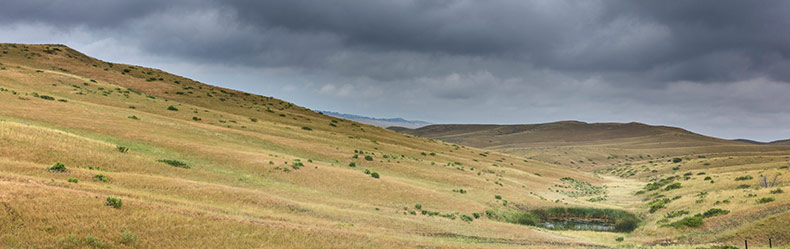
(237, 192)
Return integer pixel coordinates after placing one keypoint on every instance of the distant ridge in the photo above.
(380, 122)
(748, 141)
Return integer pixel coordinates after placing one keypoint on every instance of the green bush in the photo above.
(676, 160)
(74, 180)
(743, 178)
(57, 167)
(307, 128)
(113, 202)
(619, 239)
(522, 218)
(777, 191)
(694, 221)
(375, 175)
(657, 204)
(418, 206)
(367, 172)
(368, 157)
(352, 164)
(714, 212)
(196, 119)
(46, 97)
(101, 178)
(677, 213)
(174, 163)
(172, 108)
(466, 218)
(673, 186)
(134, 117)
(122, 149)
(765, 200)
(498, 197)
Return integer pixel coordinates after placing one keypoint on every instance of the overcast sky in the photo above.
(720, 68)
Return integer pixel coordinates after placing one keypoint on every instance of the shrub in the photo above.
(708, 178)
(677, 213)
(368, 157)
(74, 180)
(352, 164)
(466, 218)
(128, 238)
(498, 197)
(743, 178)
(196, 119)
(694, 221)
(174, 163)
(375, 175)
(714, 212)
(676, 160)
(46, 97)
(672, 186)
(121, 149)
(101, 178)
(172, 108)
(777, 191)
(57, 167)
(307, 128)
(134, 117)
(765, 200)
(522, 218)
(367, 172)
(619, 239)
(418, 206)
(743, 186)
(657, 204)
(113, 202)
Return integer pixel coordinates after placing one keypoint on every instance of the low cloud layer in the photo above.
(720, 68)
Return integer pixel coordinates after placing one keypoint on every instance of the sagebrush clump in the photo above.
(113, 202)
(57, 167)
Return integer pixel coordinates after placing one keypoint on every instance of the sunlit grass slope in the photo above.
(199, 166)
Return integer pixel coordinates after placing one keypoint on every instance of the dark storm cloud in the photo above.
(676, 41)
(506, 61)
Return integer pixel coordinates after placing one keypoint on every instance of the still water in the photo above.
(578, 225)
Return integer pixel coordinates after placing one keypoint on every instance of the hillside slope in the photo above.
(199, 166)
(582, 145)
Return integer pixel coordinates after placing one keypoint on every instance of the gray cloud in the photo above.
(499, 61)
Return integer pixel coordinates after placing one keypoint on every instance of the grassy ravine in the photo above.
(154, 160)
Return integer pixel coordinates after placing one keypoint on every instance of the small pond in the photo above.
(578, 225)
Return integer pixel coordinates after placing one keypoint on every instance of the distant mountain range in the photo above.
(380, 122)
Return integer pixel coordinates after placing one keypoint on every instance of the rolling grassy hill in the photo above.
(586, 146)
(200, 166)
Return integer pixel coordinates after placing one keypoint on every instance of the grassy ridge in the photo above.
(223, 168)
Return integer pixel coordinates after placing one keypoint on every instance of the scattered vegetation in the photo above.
(174, 163)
